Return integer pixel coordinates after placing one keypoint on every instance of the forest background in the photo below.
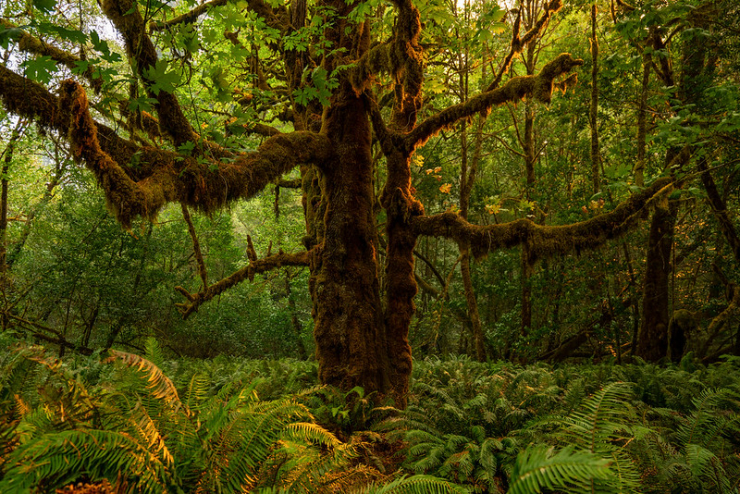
(651, 123)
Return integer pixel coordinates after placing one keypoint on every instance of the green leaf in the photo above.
(6, 35)
(46, 6)
(40, 69)
(161, 79)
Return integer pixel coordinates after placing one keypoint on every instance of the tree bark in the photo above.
(652, 341)
(351, 345)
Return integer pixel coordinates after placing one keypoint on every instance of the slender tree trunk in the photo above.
(467, 180)
(297, 328)
(652, 341)
(719, 209)
(593, 120)
(527, 263)
(7, 160)
(639, 171)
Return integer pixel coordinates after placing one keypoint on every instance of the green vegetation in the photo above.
(402, 246)
(148, 424)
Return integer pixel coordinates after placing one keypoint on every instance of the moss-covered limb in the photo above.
(539, 86)
(27, 98)
(126, 17)
(376, 60)
(518, 43)
(262, 129)
(188, 17)
(205, 185)
(127, 198)
(255, 267)
(275, 18)
(289, 184)
(31, 44)
(545, 241)
(407, 63)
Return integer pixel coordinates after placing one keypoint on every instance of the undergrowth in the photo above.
(127, 423)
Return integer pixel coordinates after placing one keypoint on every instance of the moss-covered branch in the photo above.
(545, 241)
(31, 44)
(275, 18)
(187, 17)
(204, 184)
(126, 17)
(255, 267)
(538, 86)
(376, 60)
(518, 43)
(30, 99)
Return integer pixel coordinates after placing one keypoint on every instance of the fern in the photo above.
(418, 484)
(538, 468)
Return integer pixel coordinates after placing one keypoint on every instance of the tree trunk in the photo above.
(351, 345)
(652, 341)
(593, 114)
(297, 327)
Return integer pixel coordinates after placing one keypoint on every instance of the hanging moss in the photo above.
(167, 177)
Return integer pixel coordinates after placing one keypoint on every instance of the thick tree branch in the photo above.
(545, 241)
(539, 86)
(256, 266)
(203, 184)
(126, 17)
(30, 99)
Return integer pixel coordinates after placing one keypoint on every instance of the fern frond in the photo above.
(537, 468)
(58, 459)
(417, 484)
(159, 385)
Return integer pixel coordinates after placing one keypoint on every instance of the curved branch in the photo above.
(539, 86)
(546, 241)
(258, 266)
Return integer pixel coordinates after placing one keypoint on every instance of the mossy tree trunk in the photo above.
(349, 328)
(652, 342)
